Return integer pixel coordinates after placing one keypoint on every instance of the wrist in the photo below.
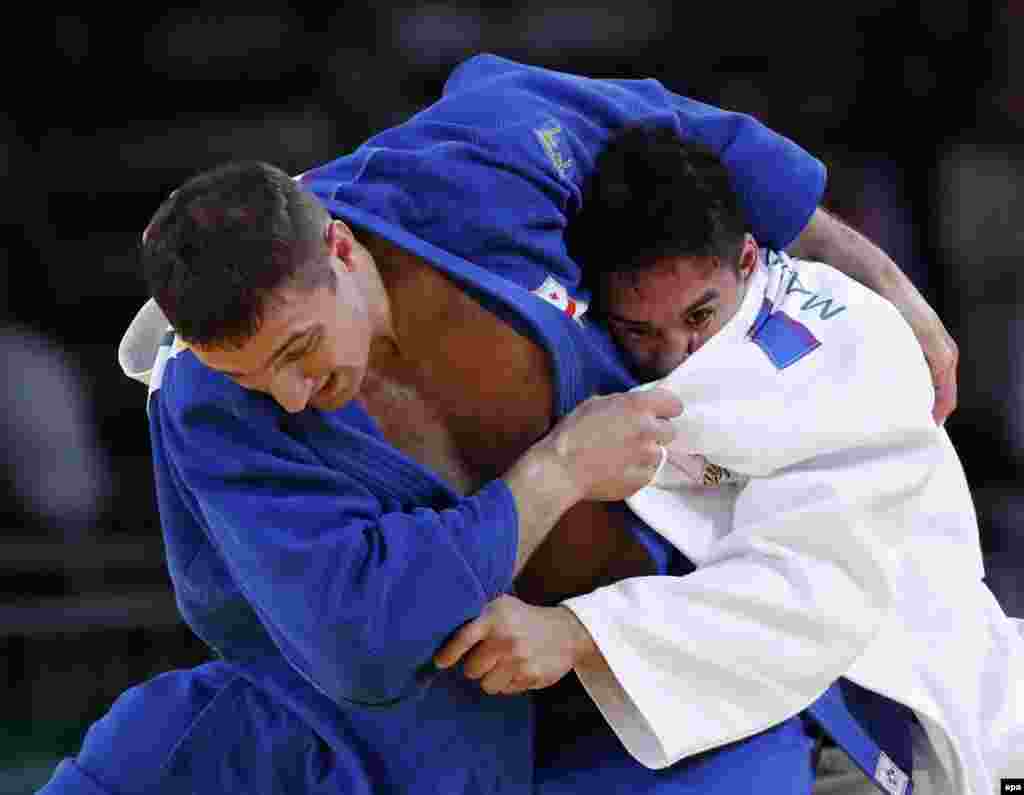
(542, 492)
(546, 467)
(581, 643)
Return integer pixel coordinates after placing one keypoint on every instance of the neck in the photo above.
(378, 298)
(411, 292)
(394, 265)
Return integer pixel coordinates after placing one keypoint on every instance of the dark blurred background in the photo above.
(917, 108)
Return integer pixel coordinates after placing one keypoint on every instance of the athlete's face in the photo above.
(660, 315)
(313, 345)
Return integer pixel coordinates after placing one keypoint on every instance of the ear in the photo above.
(748, 257)
(340, 241)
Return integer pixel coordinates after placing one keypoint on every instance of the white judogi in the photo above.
(841, 541)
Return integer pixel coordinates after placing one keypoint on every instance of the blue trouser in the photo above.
(209, 730)
(205, 730)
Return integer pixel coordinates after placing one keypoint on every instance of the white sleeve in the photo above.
(785, 602)
(780, 608)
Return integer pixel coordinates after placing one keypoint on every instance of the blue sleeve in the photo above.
(357, 591)
(493, 173)
(779, 184)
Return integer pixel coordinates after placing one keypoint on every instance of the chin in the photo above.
(330, 402)
(645, 375)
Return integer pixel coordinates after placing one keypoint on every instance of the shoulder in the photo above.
(599, 105)
(190, 396)
(838, 309)
(478, 69)
(866, 360)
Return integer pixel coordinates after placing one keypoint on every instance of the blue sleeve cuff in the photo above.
(780, 220)
(779, 184)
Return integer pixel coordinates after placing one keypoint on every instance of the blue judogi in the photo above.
(324, 567)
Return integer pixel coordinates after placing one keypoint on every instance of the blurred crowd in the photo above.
(916, 108)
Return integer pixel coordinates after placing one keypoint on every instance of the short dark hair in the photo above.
(221, 245)
(654, 195)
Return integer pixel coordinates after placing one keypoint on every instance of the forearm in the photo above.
(827, 239)
(543, 493)
(606, 449)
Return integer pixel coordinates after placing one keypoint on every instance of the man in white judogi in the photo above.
(829, 518)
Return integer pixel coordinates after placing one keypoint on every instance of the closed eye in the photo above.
(295, 355)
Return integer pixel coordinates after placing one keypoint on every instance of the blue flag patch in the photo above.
(784, 340)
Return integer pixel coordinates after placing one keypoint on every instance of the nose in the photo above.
(676, 346)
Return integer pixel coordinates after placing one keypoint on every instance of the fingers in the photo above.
(658, 401)
(520, 685)
(480, 662)
(499, 680)
(945, 396)
(943, 356)
(662, 404)
(943, 364)
(661, 463)
(465, 639)
(497, 668)
(609, 446)
(664, 432)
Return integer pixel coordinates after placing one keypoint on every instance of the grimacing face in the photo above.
(662, 314)
(313, 346)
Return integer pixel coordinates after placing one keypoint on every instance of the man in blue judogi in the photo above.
(321, 564)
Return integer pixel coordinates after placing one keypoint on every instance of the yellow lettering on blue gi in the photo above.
(548, 137)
